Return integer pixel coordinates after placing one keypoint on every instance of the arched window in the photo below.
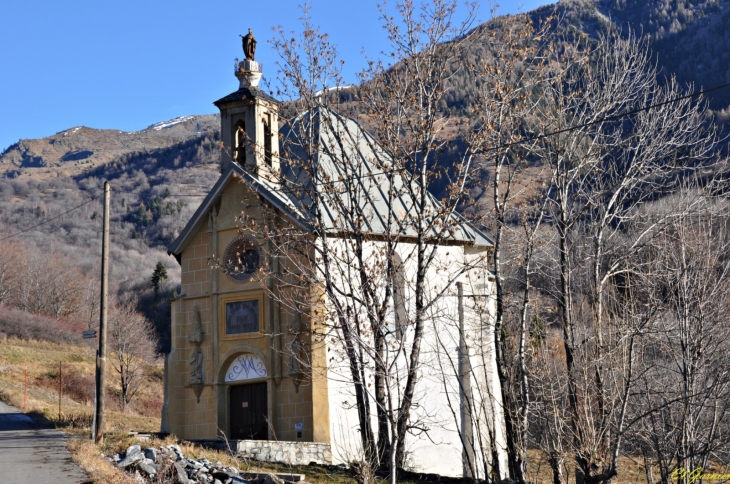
(395, 317)
(239, 143)
(267, 139)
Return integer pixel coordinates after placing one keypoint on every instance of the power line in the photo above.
(505, 145)
(51, 219)
(611, 118)
(560, 131)
(81, 205)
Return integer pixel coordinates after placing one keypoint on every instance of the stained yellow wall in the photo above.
(206, 289)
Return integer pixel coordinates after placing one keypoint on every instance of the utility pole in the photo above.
(103, 306)
(60, 388)
(465, 394)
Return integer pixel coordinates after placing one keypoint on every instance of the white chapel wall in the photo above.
(437, 392)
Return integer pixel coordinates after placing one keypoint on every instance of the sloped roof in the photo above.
(357, 174)
(353, 168)
(249, 92)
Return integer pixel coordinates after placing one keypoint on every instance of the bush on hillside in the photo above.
(24, 325)
(77, 386)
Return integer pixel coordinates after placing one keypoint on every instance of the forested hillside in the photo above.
(154, 191)
(690, 39)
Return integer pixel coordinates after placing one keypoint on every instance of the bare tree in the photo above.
(132, 344)
(402, 100)
(603, 169)
(47, 284)
(512, 204)
(91, 299)
(9, 267)
(683, 391)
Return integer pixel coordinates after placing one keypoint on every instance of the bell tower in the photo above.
(249, 119)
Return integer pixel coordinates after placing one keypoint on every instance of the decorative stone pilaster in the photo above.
(197, 359)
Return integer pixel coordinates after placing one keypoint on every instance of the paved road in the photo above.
(32, 454)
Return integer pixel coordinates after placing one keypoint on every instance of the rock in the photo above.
(175, 448)
(272, 479)
(133, 449)
(151, 454)
(138, 478)
(181, 476)
(222, 475)
(146, 468)
(131, 458)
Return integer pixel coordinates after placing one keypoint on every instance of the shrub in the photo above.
(24, 325)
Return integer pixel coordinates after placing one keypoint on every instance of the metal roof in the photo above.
(356, 174)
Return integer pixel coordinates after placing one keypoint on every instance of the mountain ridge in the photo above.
(76, 149)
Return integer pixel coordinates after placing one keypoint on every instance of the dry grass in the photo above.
(630, 470)
(116, 443)
(99, 469)
(41, 359)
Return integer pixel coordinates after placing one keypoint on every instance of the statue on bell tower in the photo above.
(249, 119)
(249, 45)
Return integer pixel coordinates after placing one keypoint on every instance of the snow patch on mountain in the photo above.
(72, 130)
(170, 123)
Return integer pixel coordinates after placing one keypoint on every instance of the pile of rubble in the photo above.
(168, 464)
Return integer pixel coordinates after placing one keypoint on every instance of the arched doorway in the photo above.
(247, 398)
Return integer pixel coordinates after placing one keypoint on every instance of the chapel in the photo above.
(230, 374)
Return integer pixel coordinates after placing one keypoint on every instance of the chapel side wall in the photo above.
(437, 392)
(480, 321)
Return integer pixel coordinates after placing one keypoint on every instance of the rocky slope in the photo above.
(158, 175)
(75, 150)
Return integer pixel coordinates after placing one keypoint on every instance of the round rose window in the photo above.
(241, 259)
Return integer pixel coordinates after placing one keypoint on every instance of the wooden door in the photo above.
(248, 412)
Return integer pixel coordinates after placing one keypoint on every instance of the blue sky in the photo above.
(129, 64)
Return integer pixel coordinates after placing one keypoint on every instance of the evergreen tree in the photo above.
(159, 276)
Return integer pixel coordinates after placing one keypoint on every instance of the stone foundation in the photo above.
(294, 453)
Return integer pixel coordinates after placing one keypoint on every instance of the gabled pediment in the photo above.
(234, 174)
